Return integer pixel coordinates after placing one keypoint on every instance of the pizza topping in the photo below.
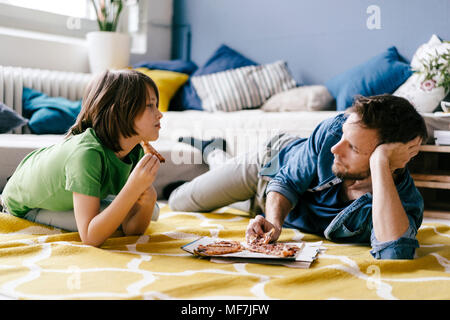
(218, 248)
(274, 249)
(265, 239)
(256, 243)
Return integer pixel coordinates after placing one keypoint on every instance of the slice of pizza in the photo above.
(148, 149)
(274, 249)
(265, 239)
(218, 248)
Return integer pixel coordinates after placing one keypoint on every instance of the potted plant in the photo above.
(436, 73)
(107, 48)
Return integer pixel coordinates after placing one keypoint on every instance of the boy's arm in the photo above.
(95, 227)
(139, 217)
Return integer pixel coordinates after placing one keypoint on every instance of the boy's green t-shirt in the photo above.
(47, 177)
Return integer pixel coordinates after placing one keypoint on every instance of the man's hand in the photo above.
(259, 226)
(396, 155)
(388, 215)
(277, 208)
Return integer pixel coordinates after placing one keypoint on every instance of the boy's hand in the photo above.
(144, 174)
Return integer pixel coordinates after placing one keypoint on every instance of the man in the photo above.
(347, 182)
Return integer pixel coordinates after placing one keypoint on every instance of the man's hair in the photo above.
(395, 118)
(111, 103)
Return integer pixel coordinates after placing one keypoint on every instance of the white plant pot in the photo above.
(108, 50)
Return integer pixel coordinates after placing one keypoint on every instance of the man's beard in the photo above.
(345, 175)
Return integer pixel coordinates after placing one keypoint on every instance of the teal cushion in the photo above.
(49, 115)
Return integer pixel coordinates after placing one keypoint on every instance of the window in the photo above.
(74, 8)
(72, 18)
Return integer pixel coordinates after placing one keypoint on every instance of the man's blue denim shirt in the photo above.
(302, 173)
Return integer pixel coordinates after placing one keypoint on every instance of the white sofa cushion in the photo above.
(304, 98)
(243, 130)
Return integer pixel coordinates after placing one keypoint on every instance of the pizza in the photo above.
(218, 248)
(265, 239)
(148, 149)
(256, 243)
(274, 249)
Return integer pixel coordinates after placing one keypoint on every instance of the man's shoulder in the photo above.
(334, 124)
(329, 130)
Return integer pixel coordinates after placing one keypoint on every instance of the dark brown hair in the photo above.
(394, 117)
(112, 101)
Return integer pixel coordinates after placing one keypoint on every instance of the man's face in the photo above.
(352, 152)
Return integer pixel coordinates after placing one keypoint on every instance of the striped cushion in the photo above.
(242, 88)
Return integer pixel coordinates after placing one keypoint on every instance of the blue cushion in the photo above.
(224, 58)
(9, 119)
(178, 65)
(381, 74)
(49, 115)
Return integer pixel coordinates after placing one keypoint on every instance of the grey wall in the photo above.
(318, 38)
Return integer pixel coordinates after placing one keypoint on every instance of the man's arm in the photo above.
(388, 215)
(277, 208)
(389, 218)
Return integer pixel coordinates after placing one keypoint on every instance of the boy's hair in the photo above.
(111, 103)
(394, 117)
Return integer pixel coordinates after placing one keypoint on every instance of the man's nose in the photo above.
(335, 148)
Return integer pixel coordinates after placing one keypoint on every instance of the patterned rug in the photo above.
(39, 262)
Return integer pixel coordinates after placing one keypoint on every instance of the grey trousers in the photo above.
(233, 182)
(66, 219)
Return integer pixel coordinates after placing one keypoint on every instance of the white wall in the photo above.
(38, 50)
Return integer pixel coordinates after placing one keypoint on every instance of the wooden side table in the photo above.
(430, 170)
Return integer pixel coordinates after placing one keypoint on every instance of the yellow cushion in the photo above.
(168, 83)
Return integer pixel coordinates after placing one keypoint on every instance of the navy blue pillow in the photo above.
(9, 119)
(224, 58)
(49, 115)
(178, 65)
(381, 74)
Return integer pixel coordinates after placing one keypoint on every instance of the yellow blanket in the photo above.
(39, 262)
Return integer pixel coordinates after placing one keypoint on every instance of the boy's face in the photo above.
(352, 153)
(148, 123)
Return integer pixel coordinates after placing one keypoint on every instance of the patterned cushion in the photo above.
(242, 88)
